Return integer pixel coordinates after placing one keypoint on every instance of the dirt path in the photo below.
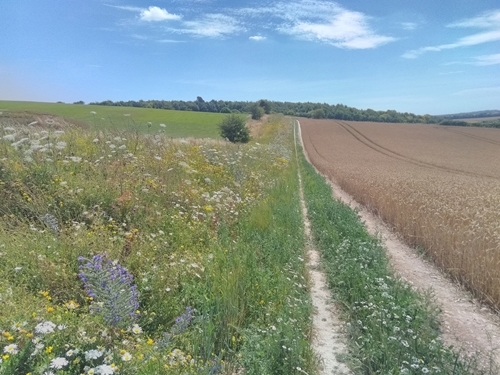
(328, 340)
(466, 324)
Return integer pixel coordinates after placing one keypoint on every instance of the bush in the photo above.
(233, 128)
(257, 112)
(318, 113)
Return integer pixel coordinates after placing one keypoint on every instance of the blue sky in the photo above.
(421, 56)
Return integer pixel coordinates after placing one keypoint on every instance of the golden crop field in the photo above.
(438, 186)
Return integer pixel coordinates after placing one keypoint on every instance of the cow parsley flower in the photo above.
(45, 327)
(93, 354)
(58, 363)
(105, 370)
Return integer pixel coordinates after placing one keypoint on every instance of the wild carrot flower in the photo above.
(45, 327)
(111, 289)
(58, 363)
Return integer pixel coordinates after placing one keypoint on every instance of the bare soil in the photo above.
(329, 340)
(467, 325)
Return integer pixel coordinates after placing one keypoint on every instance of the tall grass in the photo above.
(205, 236)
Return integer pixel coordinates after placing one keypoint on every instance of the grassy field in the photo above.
(437, 186)
(143, 120)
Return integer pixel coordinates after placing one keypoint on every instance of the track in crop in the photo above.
(358, 135)
(473, 136)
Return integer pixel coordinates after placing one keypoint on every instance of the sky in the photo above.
(420, 56)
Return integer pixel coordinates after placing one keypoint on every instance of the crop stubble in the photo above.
(439, 187)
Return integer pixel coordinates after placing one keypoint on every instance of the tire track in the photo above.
(477, 137)
(392, 154)
(328, 340)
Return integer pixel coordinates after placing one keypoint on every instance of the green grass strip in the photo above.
(142, 120)
(391, 329)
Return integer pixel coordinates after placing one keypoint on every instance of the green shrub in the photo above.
(257, 112)
(233, 128)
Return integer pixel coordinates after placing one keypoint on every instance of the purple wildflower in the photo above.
(110, 285)
(180, 325)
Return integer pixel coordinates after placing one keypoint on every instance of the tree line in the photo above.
(299, 109)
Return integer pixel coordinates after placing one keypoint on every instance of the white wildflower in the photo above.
(45, 327)
(93, 354)
(58, 363)
(11, 349)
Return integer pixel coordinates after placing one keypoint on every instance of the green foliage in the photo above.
(189, 221)
(265, 105)
(318, 113)
(257, 112)
(233, 128)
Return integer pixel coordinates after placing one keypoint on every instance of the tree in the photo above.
(265, 105)
(233, 128)
(257, 112)
(318, 113)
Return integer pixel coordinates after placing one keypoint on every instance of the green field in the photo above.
(177, 123)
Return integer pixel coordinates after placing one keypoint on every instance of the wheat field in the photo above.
(437, 186)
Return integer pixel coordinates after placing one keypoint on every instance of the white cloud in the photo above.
(154, 13)
(314, 20)
(347, 30)
(409, 25)
(489, 21)
(211, 25)
(488, 59)
(324, 21)
(492, 90)
(125, 7)
(486, 20)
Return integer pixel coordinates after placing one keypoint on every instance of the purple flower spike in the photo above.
(110, 286)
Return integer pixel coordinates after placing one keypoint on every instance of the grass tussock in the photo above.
(131, 254)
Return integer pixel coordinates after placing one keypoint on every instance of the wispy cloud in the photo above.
(409, 25)
(157, 14)
(153, 13)
(125, 7)
(211, 25)
(324, 21)
(489, 21)
(492, 90)
(257, 38)
(313, 20)
(488, 59)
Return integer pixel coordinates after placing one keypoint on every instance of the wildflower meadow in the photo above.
(130, 253)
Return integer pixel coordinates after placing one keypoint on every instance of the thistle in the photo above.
(110, 286)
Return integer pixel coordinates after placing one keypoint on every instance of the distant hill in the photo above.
(470, 115)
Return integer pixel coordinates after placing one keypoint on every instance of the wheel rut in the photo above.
(329, 341)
